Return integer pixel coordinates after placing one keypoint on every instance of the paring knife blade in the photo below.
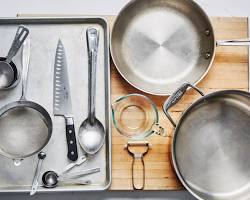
(62, 100)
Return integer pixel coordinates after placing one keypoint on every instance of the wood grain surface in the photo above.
(229, 71)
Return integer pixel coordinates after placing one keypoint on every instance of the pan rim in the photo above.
(114, 59)
(41, 110)
(173, 156)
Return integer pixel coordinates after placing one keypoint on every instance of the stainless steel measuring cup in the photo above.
(50, 179)
(9, 73)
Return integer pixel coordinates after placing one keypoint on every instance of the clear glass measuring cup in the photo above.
(136, 117)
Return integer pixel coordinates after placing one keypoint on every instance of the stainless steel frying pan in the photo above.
(211, 144)
(156, 45)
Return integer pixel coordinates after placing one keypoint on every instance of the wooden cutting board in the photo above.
(229, 71)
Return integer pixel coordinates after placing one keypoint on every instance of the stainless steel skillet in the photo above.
(156, 45)
(211, 143)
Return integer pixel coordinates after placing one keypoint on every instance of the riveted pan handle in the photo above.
(236, 42)
(176, 97)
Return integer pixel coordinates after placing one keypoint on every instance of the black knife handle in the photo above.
(71, 139)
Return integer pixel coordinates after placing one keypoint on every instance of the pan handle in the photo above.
(236, 42)
(176, 97)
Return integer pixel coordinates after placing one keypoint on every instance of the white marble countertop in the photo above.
(108, 7)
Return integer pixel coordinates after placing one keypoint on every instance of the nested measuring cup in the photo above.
(136, 117)
(9, 73)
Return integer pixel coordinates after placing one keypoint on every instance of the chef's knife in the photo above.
(62, 100)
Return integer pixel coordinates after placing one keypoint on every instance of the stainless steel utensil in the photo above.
(156, 45)
(41, 157)
(62, 99)
(138, 162)
(211, 143)
(80, 173)
(80, 161)
(91, 133)
(50, 178)
(9, 73)
(25, 126)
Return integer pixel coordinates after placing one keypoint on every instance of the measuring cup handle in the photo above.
(176, 97)
(21, 35)
(37, 173)
(138, 165)
(159, 130)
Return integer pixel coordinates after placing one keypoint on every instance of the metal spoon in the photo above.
(9, 73)
(41, 157)
(50, 179)
(91, 133)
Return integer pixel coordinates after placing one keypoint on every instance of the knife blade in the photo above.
(62, 100)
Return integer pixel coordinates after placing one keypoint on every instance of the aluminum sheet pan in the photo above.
(44, 34)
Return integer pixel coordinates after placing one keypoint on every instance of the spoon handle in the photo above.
(37, 173)
(21, 34)
(76, 182)
(81, 160)
(92, 45)
(78, 174)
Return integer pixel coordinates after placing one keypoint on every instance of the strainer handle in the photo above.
(25, 65)
(176, 97)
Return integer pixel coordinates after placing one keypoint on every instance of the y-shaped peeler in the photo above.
(138, 150)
